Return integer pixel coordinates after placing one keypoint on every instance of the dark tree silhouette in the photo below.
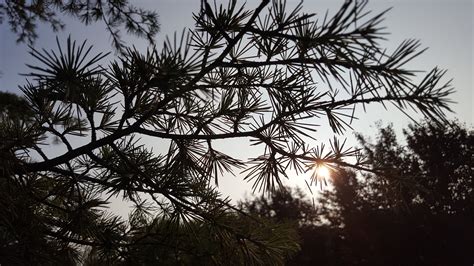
(23, 16)
(373, 219)
(434, 169)
(240, 74)
(418, 208)
(319, 241)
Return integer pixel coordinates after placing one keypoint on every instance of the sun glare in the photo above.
(323, 171)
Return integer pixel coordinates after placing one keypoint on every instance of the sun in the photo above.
(323, 171)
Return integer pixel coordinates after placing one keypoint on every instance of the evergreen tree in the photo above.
(23, 16)
(239, 74)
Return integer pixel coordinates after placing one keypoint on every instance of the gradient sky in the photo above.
(446, 27)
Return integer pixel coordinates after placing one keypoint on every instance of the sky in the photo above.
(444, 26)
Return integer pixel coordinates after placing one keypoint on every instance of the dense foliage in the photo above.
(264, 74)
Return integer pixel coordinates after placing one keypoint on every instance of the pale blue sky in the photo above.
(446, 27)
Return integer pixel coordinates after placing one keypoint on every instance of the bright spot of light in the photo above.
(323, 171)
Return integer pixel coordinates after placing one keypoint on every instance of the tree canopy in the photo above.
(263, 74)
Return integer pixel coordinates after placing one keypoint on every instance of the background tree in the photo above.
(408, 213)
(367, 220)
(319, 241)
(23, 16)
(419, 207)
(433, 170)
(240, 74)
